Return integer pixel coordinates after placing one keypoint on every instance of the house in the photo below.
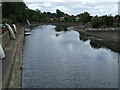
(62, 18)
(77, 18)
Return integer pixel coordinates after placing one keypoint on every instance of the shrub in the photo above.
(97, 22)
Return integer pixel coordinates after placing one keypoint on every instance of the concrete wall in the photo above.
(108, 35)
(11, 64)
(5, 38)
(113, 36)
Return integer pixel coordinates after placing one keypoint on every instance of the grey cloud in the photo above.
(95, 8)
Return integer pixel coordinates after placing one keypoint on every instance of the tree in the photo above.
(14, 9)
(97, 22)
(35, 15)
(59, 13)
(70, 19)
(109, 20)
(117, 21)
(85, 17)
(13, 18)
(29, 13)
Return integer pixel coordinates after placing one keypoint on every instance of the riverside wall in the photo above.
(12, 63)
(112, 36)
(5, 39)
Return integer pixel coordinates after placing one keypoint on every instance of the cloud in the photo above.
(47, 4)
(73, 8)
(71, 0)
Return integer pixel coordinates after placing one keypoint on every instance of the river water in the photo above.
(56, 57)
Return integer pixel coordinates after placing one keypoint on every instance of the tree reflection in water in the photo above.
(96, 44)
(100, 44)
(61, 28)
(93, 43)
(83, 38)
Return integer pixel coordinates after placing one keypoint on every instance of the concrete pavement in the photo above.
(11, 72)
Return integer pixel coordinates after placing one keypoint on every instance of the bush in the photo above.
(13, 18)
(97, 22)
(6, 21)
(116, 25)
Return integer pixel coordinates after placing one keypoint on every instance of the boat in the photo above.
(27, 31)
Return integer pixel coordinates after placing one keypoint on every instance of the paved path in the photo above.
(8, 64)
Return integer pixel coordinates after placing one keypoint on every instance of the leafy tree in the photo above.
(13, 18)
(85, 17)
(59, 13)
(14, 9)
(109, 20)
(117, 21)
(5, 20)
(95, 44)
(97, 22)
(29, 13)
(70, 19)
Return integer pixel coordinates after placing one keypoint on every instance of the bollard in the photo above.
(14, 28)
(11, 31)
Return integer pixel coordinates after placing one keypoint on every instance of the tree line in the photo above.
(16, 12)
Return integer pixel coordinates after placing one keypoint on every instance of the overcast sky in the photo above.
(74, 7)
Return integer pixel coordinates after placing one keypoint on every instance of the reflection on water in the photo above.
(57, 35)
(61, 59)
(83, 37)
(95, 44)
(100, 44)
(61, 28)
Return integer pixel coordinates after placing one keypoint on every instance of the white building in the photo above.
(62, 18)
(119, 7)
(77, 18)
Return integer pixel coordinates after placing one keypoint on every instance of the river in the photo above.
(57, 57)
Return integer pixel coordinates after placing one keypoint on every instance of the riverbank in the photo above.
(112, 36)
(11, 65)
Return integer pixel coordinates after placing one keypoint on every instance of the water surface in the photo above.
(60, 58)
